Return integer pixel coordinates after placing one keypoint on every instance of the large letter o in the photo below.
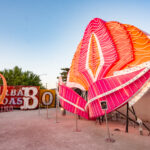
(50, 98)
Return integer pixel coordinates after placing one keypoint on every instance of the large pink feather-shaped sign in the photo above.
(116, 90)
(71, 101)
(98, 51)
(111, 63)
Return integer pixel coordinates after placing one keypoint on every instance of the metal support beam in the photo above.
(127, 116)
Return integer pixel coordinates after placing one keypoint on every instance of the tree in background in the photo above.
(64, 73)
(16, 76)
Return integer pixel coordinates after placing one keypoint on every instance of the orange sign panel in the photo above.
(47, 98)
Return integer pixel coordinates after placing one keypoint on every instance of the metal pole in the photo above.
(127, 120)
(108, 133)
(134, 113)
(57, 101)
(76, 123)
(56, 109)
(47, 110)
(76, 130)
(47, 104)
(134, 121)
(39, 108)
(109, 139)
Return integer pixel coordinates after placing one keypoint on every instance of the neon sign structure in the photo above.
(112, 63)
(3, 94)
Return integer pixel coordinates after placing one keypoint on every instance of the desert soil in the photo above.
(31, 130)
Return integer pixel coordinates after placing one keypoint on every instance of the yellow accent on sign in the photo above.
(47, 98)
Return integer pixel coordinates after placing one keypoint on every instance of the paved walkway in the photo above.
(27, 130)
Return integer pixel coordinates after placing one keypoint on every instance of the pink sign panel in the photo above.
(117, 91)
(72, 102)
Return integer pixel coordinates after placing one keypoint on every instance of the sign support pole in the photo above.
(77, 130)
(39, 108)
(47, 110)
(108, 132)
(127, 120)
(109, 139)
(57, 103)
(104, 107)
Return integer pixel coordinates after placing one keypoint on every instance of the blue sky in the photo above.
(42, 35)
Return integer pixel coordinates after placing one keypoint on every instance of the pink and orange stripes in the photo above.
(111, 63)
(71, 101)
(116, 90)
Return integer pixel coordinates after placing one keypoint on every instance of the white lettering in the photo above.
(12, 101)
(19, 101)
(20, 93)
(13, 92)
(28, 97)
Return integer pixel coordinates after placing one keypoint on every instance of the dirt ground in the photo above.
(29, 130)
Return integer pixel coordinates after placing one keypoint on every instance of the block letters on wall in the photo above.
(23, 97)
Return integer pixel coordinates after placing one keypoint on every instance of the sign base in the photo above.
(109, 140)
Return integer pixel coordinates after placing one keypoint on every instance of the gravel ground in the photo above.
(29, 130)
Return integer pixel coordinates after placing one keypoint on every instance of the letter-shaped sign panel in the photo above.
(23, 97)
(47, 98)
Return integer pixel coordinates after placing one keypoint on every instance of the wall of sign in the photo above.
(28, 97)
